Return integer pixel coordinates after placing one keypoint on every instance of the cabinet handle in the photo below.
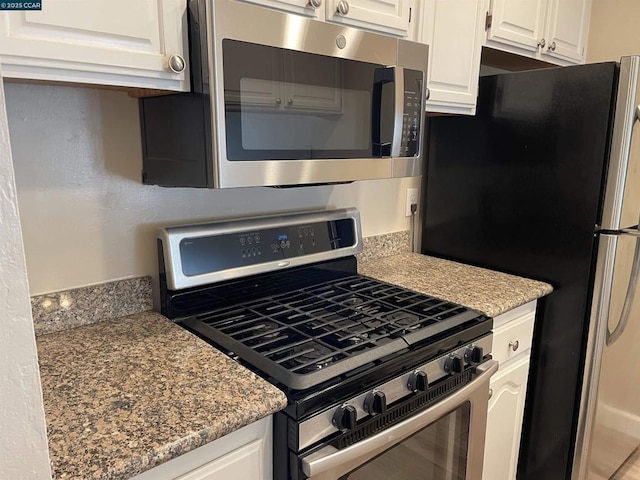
(552, 47)
(542, 43)
(278, 101)
(427, 93)
(343, 7)
(514, 345)
(290, 101)
(490, 392)
(315, 3)
(177, 64)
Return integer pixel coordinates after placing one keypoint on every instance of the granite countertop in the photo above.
(124, 395)
(487, 291)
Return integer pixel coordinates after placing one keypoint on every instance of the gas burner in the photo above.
(353, 301)
(315, 353)
(303, 340)
(359, 338)
(266, 329)
(404, 319)
(306, 327)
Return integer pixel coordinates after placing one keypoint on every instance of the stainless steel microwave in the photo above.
(280, 99)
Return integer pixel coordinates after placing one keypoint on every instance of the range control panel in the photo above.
(412, 113)
(251, 247)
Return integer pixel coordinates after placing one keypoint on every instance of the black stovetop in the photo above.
(307, 327)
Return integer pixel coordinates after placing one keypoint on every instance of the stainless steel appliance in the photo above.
(382, 382)
(543, 183)
(281, 99)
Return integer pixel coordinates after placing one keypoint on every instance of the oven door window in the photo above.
(287, 105)
(437, 452)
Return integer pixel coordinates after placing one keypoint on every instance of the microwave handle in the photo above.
(398, 112)
(382, 76)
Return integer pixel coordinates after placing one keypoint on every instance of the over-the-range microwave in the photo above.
(280, 99)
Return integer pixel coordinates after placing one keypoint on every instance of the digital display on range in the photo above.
(220, 252)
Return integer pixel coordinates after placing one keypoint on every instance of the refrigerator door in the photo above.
(609, 429)
(518, 188)
(622, 195)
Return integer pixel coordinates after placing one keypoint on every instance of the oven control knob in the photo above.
(418, 381)
(345, 417)
(474, 355)
(375, 403)
(454, 364)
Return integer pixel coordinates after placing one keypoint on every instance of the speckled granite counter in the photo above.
(484, 290)
(125, 395)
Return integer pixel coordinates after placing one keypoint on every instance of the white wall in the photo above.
(613, 31)
(23, 442)
(86, 218)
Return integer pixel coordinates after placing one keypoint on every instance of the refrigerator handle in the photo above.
(631, 290)
(627, 114)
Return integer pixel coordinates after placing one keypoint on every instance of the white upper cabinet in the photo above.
(388, 16)
(115, 42)
(384, 16)
(554, 31)
(518, 22)
(454, 30)
(567, 29)
(311, 8)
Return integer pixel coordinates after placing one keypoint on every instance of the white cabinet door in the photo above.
(454, 30)
(301, 7)
(504, 421)
(242, 454)
(519, 23)
(554, 31)
(567, 29)
(387, 16)
(115, 42)
(242, 463)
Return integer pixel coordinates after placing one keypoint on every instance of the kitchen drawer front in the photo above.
(513, 338)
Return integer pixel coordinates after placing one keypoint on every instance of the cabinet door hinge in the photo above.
(487, 21)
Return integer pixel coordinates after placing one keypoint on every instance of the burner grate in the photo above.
(314, 333)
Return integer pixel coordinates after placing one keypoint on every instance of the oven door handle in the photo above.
(329, 462)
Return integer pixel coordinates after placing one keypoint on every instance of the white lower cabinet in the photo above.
(512, 349)
(243, 462)
(504, 424)
(243, 454)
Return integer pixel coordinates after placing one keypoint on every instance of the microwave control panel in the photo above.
(412, 113)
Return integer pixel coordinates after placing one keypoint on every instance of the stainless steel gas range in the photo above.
(382, 382)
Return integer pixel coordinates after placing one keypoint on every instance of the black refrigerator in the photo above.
(544, 182)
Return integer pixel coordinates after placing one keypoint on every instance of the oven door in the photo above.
(445, 441)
